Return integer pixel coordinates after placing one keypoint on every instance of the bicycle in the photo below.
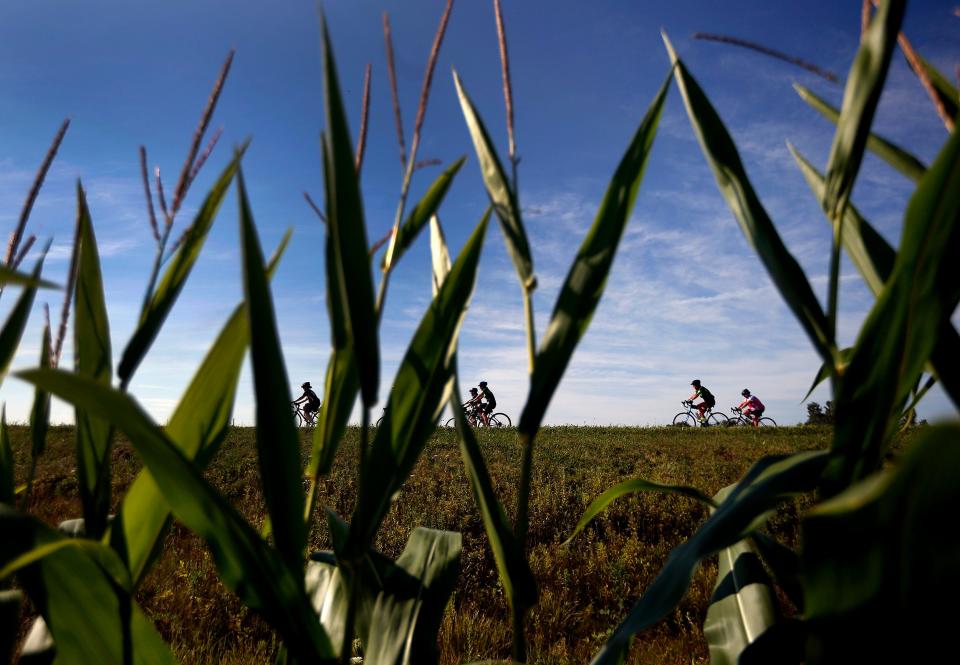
(691, 417)
(302, 418)
(474, 419)
(741, 420)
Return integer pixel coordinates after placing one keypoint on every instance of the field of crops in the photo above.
(585, 588)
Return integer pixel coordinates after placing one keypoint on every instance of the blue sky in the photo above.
(686, 298)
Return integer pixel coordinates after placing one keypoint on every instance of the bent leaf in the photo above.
(587, 278)
(734, 185)
(769, 481)
(254, 571)
(502, 195)
(176, 275)
(11, 276)
(892, 154)
(16, 322)
(600, 504)
(198, 426)
(418, 395)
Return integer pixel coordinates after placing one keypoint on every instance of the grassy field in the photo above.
(584, 589)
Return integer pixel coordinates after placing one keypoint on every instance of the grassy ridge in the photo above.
(583, 587)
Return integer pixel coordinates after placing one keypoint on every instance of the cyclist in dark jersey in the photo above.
(709, 401)
(311, 399)
(490, 403)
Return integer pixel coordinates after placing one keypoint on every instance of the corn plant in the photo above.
(872, 561)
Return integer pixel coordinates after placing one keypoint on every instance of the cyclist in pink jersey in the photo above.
(752, 407)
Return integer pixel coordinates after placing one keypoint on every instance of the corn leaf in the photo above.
(198, 426)
(40, 412)
(10, 602)
(585, 282)
(512, 566)
(439, 255)
(860, 98)
(875, 562)
(892, 154)
(6, 461)
(722, 155)
(502, 195)
(176, 275)
(769, 481)
(874, 259)
(254, 571)
(278, 446)
(946, 92)
(420, 214)
(407, 618)
(91, 618)
(825, 371)
(742, 606)
(901, 331)
(11, 276)
(16, 322)
(346, 223)
(600, 504)
(342, 382)
(92, 359)
(418, 396)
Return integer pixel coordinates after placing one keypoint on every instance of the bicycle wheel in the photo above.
(450, 424)
(684, 419)
(717, 419)
(297, 418)
(503, 420)
(768, 422)
(379, 421)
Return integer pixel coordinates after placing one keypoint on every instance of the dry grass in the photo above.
(585, 588)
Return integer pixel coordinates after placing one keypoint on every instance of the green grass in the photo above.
(585, 588)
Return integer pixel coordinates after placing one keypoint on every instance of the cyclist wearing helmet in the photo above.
(752, 407)
(311, 399)
(489, 405)
(709, 401)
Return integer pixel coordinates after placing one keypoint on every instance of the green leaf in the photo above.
(342, 382)
(502, 195)
(742, 606)
(769, 481)
(40, 413)
(585, 282)
(346, 223)
(512, 566)
(901, 331)
(254, 571)
(824, 372)
(420, 214)
(11, 276)
(407, 619)
(91, 617)
(946, 92)
(419, 392)
(13, 328)
(860, 98)
(878, 561)
(176, 274)
(722, 155)
(6, 461)
(892, 154)
(600, 504)
(874, 259)
(198, 426)
(278, 446)
(92, 359)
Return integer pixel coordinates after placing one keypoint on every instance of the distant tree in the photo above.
(817, 415)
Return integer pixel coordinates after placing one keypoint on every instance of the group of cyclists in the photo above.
(482, 402)
(751, 406)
